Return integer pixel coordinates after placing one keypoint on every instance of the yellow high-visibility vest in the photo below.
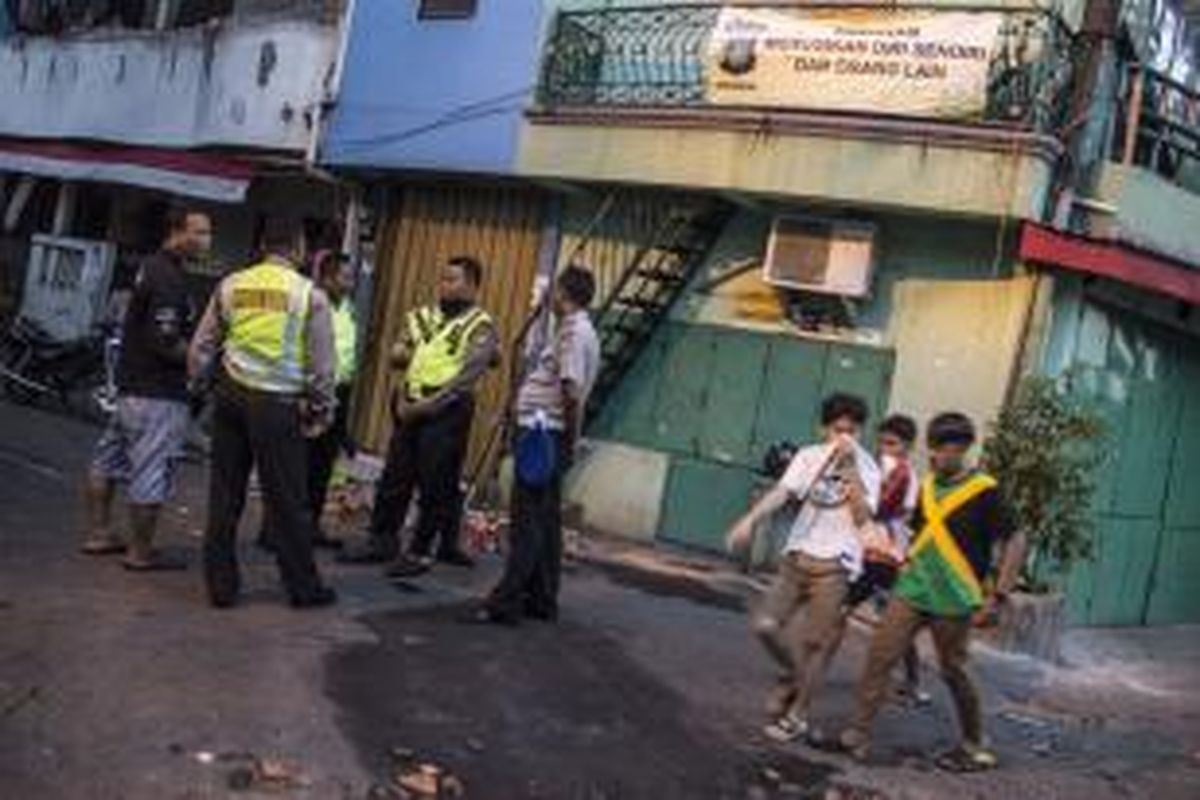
(440, 347)
(266, 313)
(345, 342)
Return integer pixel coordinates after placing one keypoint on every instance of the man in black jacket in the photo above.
(146, 432)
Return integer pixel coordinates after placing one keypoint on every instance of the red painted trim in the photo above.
(154, 158)
(1110, 260)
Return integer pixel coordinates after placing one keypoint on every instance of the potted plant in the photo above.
(1044, 449)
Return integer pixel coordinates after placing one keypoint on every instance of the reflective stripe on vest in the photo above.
(266, 310)
(440, 347)
(345, 341)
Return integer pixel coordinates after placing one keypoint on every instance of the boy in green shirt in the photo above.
(960, 517)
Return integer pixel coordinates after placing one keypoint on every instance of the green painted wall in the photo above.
(714, 397)
(1143, 377)
(1151, 212)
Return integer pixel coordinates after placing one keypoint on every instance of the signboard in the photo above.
(911, 63)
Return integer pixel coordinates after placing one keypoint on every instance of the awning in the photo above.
(1109, 259)
(178, 172)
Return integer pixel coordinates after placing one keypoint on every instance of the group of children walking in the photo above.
(865, 528)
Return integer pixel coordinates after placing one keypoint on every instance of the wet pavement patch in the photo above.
(541, 711)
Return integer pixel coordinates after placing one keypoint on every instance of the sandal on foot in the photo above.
(787, 728)
(963, 759)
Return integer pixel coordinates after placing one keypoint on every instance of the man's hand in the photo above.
(313, 429)
(401, 355)
(740, 535)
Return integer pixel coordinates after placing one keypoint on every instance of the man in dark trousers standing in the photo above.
(550, 406)
(333, 275)
(145, 435)
(444, 352)
(274, 389)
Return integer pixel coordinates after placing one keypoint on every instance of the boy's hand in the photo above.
(739, 536)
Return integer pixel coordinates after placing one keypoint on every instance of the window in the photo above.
(446, 9)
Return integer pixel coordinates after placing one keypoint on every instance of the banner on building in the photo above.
(911, 63)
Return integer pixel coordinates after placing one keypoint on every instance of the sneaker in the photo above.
(787, 728)
(320, 598)
(408, 566)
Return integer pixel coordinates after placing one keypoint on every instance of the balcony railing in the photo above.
(1159, 127)
(656, 57)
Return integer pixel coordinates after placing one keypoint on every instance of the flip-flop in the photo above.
(961, 760)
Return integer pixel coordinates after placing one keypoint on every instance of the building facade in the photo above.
(917, 202)
(111, 111)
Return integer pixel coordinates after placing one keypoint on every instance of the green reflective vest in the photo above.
(266, 310)
(345, 342)
(440, 347)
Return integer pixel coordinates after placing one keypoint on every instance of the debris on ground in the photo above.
(266, 775)
(251, 772)
(475, 744)
(414, 779)
(13, 703)
(1044, 748)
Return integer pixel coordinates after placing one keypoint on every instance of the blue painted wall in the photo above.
(435, 94)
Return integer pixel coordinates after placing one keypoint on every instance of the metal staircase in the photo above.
(654, 278)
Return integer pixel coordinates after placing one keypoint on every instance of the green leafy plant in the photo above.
(1044, 449)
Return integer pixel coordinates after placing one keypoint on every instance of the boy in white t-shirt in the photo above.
(837, 486)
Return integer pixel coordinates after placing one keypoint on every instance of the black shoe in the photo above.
(542, 614)
(222, 601)
(320, 598)
(366, 554)
(409, 566)
(490, 616)
(456, 558)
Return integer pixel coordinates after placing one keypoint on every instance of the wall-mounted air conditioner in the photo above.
(829, 256)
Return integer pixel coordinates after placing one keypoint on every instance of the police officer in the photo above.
(444, 351)
(334, 276)
(274, 389)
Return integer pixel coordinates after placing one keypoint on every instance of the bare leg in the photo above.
(98, 494)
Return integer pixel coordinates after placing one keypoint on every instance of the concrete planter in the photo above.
(1031, 624)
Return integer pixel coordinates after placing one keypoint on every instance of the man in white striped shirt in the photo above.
(550, 407)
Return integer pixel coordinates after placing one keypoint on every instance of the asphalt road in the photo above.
(127, 686)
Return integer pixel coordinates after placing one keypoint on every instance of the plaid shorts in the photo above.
(140, 446)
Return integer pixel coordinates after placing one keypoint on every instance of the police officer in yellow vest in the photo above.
(333, 275)
(445, 350)
(274, 389)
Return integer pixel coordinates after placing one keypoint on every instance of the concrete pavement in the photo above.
(127, 686)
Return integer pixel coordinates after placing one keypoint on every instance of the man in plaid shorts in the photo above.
(146, 432)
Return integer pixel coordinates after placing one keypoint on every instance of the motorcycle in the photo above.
(78, 376)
